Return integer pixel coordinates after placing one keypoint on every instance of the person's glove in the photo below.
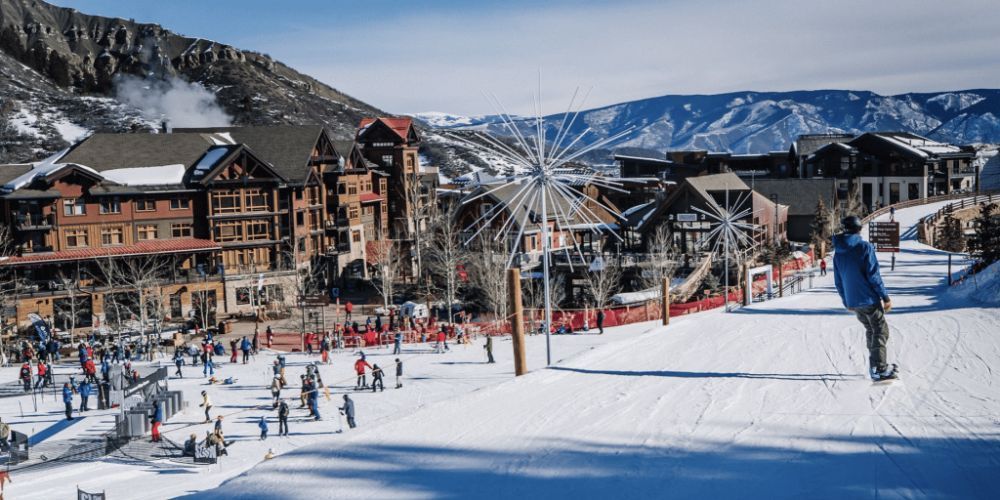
(887, 306)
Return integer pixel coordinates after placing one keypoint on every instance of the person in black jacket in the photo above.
(377, 378)
(600, 321)
(283, 412)
(399, 373)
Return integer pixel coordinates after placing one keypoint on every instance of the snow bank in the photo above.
(983, 288)
(146, 176)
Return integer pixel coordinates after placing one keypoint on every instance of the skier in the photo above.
(246, 346)
(26, 376)
(348, 411)
(256, 341)
(67, 394)
(348, 308)
(313, 398)
(206, 402)
(270, 336)
(489, 349)
(157, 419)
(85, 389)
(283, 411)
(275, 390)
(209, 368)
(600, 321)
(190, 445)
(856, 276)
(359, 368)
(263, 427)
(40, 373)
(399, 373)
(377, 378)
(232, 350)
(179, 362)
(822, 267)
(397, 342)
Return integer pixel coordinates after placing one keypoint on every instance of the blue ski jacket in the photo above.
(856, 272)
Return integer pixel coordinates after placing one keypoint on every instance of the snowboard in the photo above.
(890, 379)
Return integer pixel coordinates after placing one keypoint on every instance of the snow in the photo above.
(769, 401)
(42, 168)
(982, 288)
(146, 176)
(222, 139)
(69, 131)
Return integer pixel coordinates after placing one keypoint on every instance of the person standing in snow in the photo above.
(232, 350)
(206, 403)
(822, 267)
(348, 411)
(275, 390)
(67, 394)
(157, 419)
(348, 309)
(270, 336)
(263, 427)
(359, 368)
(397, 340)
(856, 276)
(246, 347)
(283, 412)
(489, 349)
(179, 362)
(85, 390)
(399, 373)
(600, 321)
(377, 378)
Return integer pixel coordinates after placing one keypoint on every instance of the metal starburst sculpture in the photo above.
(729, 233)
(536, 170)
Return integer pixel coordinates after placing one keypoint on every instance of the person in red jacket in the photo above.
(348, 308)
(359, 367)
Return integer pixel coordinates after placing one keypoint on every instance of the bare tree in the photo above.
(533, 294)
(603, 281)
(70, 307)
(447, 254)
(661, 259)
(854, 205)
(488, 275)
(138, 281)
(385, 261)
(418, 215)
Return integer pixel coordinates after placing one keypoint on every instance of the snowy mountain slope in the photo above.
(757, 122)
(769, 402)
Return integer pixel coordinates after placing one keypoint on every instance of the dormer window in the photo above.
(381, 144)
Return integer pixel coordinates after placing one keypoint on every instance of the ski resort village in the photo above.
(223, 278)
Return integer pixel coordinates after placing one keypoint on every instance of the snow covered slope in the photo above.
(768, 402)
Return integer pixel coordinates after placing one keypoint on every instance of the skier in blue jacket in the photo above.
(856, 275)
(68, 401)
(85, 390)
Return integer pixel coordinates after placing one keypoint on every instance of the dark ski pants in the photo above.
(246, 356)
(876, 334)
(282, 426)
(377, 382)
(350, 422)
(362, 382)
(83, 403)
(69, 411)
(489, 356)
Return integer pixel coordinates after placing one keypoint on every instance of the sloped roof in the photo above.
(716, 182)
(800, 195)
(106, 151)
(401, 126)
(559, 208)
(286, 147)
(148, 247)
(807, 144)
(13, 171)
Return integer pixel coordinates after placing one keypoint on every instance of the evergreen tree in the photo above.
(711, 282)
(985, 245)
(822, 229)
(951, 237)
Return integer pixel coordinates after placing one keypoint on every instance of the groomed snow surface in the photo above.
(771, 401)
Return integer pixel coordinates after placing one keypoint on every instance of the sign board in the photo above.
(687, 217)
(205, 455)
(884, 236)
(83, 495)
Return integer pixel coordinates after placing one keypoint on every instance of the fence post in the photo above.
(665, 301)
(517, 321)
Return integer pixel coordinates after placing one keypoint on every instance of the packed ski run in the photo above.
(768, 401)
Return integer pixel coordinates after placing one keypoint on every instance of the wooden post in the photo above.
(665, 301)
(517, 320)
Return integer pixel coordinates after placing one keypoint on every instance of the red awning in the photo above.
(151, 247)
(369, 197)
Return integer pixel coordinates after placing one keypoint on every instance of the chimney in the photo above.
(165, 127)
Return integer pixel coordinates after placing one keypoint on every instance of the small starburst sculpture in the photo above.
(537, 170)
(729, 231)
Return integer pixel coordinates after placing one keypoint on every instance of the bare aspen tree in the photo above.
(661, 258)
(447, 253)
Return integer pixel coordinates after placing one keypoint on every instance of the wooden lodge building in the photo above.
(242, 218)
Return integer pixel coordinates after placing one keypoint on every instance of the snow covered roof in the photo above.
(147, 176)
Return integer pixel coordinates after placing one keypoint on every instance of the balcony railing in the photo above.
(33, 221)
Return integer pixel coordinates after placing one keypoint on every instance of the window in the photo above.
(180, 203)
(386, 160)
(146, 232)
(229, 231)
(145, 205)
(356, 236)
(381, 144)
(341, 188)
(112, 236)
(76, 238)
(74, 206)
(257, 200)
(300, 218)
(225, 202)
(352, 212)
(111, 206)
(258, 230)
(352, 189)
(182, 230)
(243, 295)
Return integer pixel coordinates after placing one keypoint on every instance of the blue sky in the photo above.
(442, 55)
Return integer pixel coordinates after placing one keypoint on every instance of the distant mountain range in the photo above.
(757, 122)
